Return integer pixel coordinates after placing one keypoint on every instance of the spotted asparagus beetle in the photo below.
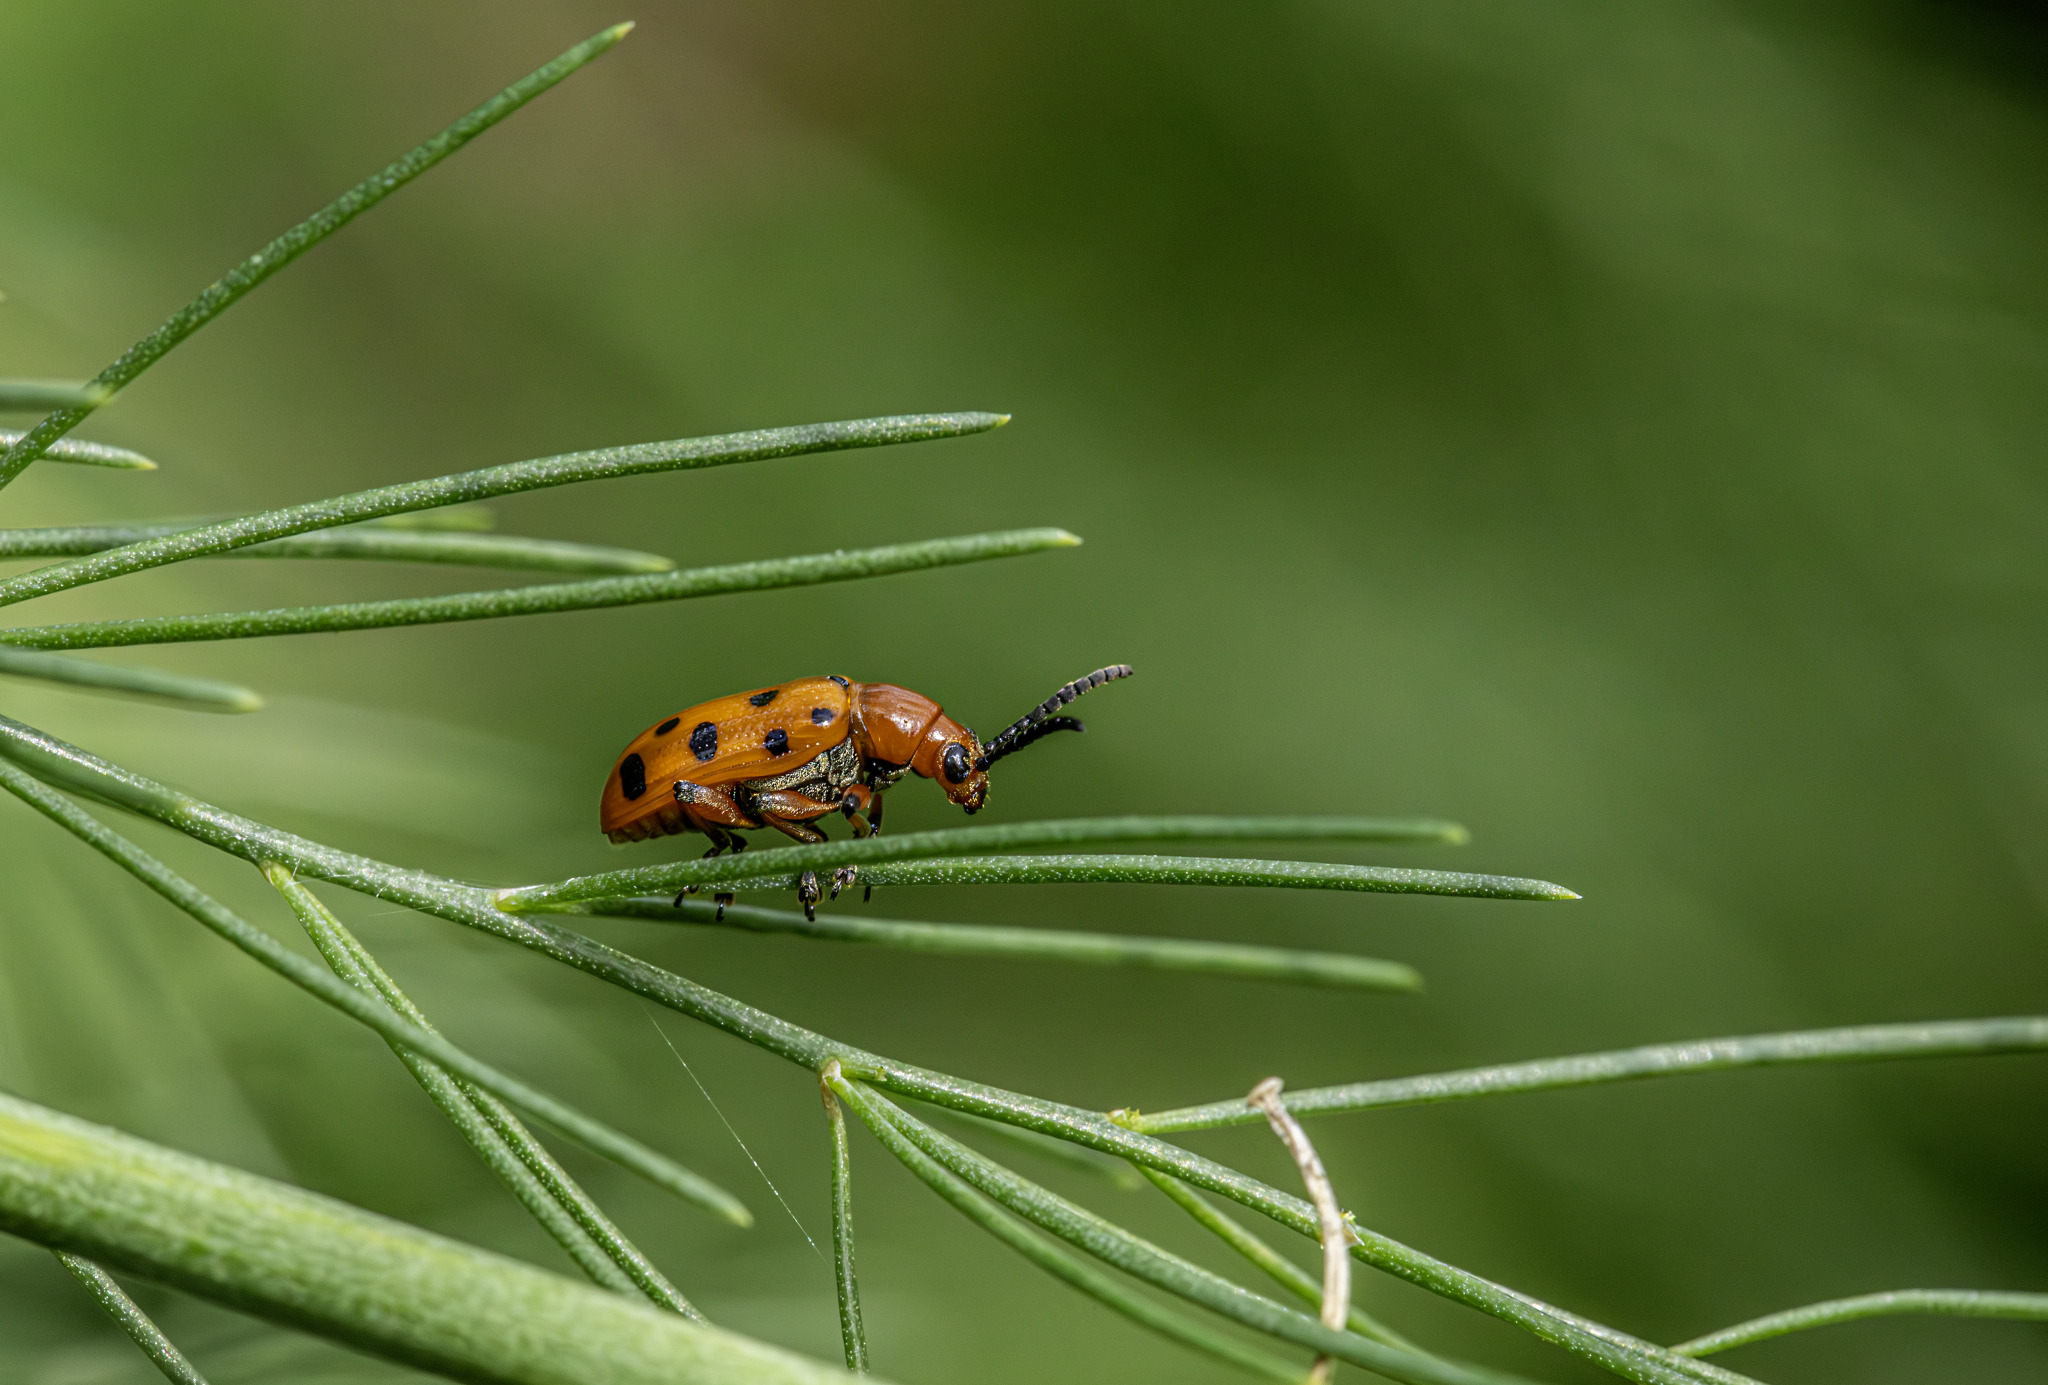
(785, 756)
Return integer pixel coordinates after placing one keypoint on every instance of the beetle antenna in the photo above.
(1039, 721)
(1036, 731)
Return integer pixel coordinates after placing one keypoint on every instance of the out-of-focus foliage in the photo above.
(1615, 427)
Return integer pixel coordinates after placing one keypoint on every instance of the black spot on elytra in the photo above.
(777, 741)
(837, 679)
(762, 699)
(633, 776)
(667, 726)
(704, 740)
(822, 716)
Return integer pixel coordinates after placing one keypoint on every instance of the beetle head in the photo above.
(964, 781)
(949, 754)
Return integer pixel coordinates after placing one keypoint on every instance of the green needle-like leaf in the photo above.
(853, 1336)
(34, 396)
(374, 1014)
(199, 694)
(542, 600)
(370, 543)
(85, 453)
(1183, 870)
(313, 1263)
(968, 841)
(361, 542)
(1863, 1043)
(1041, 944)
(509, 479)
(1152, 870)
(542, 1186)
(1952, 1303)
(136, 1323)
(229, 289)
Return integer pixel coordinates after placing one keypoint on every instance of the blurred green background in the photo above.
(1617, 427)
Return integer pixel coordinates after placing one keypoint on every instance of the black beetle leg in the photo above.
(808, 893)
(874, 829)
(737, 844)
(843, 877)
(724, 898)
(719, 842)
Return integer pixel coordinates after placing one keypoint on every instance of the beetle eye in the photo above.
(954, 761)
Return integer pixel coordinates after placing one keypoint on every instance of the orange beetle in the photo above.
(786, 756)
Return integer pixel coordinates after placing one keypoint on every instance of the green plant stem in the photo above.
(1139, 1258)
(81, 772)
(539, 600)
(227, 290)
(1105, 1289)
(1862, 1043)
(136, 1323)
(1958, 1303)
(363, 543)
(505, 1145)
(853, 1336)
(1283, 1271)
(85, 453)
(1041, 944)
(508, 479)
(199, 694)
(777, 862)
(593, 1135)
(315, 1264)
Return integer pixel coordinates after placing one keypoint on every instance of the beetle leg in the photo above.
(712, 812)
(851, 803)
(724, 898)
(721, 840)
(874, 830)
(791, 813)
(843, 877)
(712, 807)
